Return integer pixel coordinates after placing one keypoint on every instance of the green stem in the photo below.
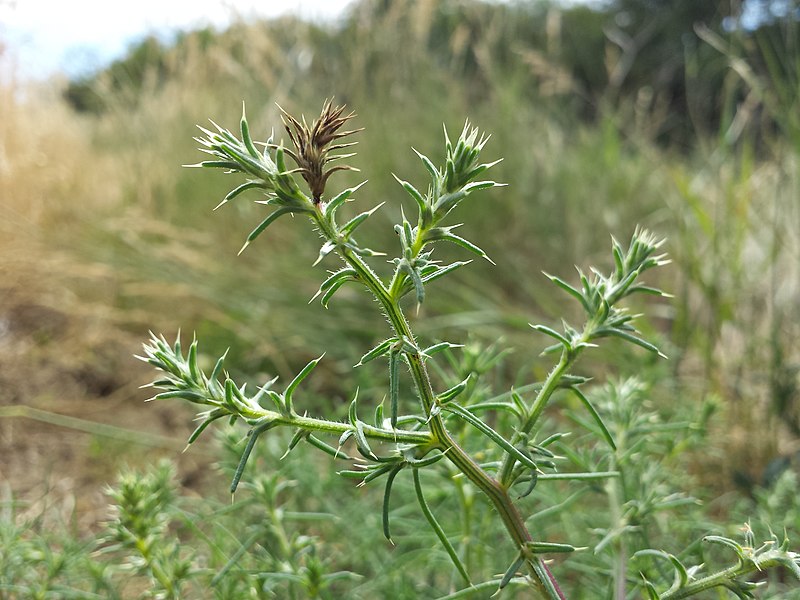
(542, 398)
(497, 493)
(716, 580)
(155, 567)
(465, 501)
(399, 276)
(276, 525)
(336, 427)
(616, 498)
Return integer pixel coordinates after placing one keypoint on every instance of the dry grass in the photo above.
(104, 236)
(62, 349)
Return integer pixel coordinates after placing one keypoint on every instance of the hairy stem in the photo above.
(614, 490)
(717, 579)
(542, 398)
(497, 493)
(336, 427)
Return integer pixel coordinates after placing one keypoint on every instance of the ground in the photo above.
(72, 412)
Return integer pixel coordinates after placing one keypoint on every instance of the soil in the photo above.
(72, 413)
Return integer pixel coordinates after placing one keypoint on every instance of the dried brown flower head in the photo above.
(312, 145)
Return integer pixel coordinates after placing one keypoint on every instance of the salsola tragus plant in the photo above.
(399, 437)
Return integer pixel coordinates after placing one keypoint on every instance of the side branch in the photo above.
(182, 378)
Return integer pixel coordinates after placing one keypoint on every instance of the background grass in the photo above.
(104, 236)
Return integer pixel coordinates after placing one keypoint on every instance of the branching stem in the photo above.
(496, 492)
(542, 398)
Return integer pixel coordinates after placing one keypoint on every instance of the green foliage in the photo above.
(267, 557)
(624, 479)
(631, 54)
(422, 439)
(144, 507)
(716, 206)
(37, 562)
(129, 76)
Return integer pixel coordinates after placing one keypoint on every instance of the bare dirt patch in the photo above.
(72, 412)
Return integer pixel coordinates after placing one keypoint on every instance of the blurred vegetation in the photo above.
(632, 55)
(678, 116)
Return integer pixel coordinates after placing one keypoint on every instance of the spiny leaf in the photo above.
(429, 166)
(645, 289)
(394, 386)
(578, 476)
(548, 547)
(478, 424)
(534, 479)
(442, 271)
(724, 541)
(348, 228)
(622, 286)
(244, 161)
(417, 281)
(324, 250)
(298, 437)
(480, 185)
(251, 442)
(447, 202)
(511, 571)
(431, 350)
(438, 529)
(191, 360)
(339, 199)
(362, 251)
(264, 224)
(190, 395)
(570, 290)
(344, 437)
(374, 472)
(421, 463)
(482, 168)
(387, 492)
(262, 391)
(652, 594)
(454, 391)
(326, 297)
(361, 441)
(414, 193)
(248, 142)
(212, 416)
(596, 416)
(448, 236)
(635, 340)
(377, 351)
(326, 448)
(333, 283)
(277, 400)
(682, 577)
(619, 260)
(352, 415)
(249, 185)
(506, 406)
(219, 164)
(554, 334)
(218, 367)
(408, 233)
(522, 408)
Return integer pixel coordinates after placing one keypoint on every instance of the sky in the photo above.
(44, 37)
(40, 38)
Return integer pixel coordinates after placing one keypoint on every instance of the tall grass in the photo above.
(105, 235)
(729, 210)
